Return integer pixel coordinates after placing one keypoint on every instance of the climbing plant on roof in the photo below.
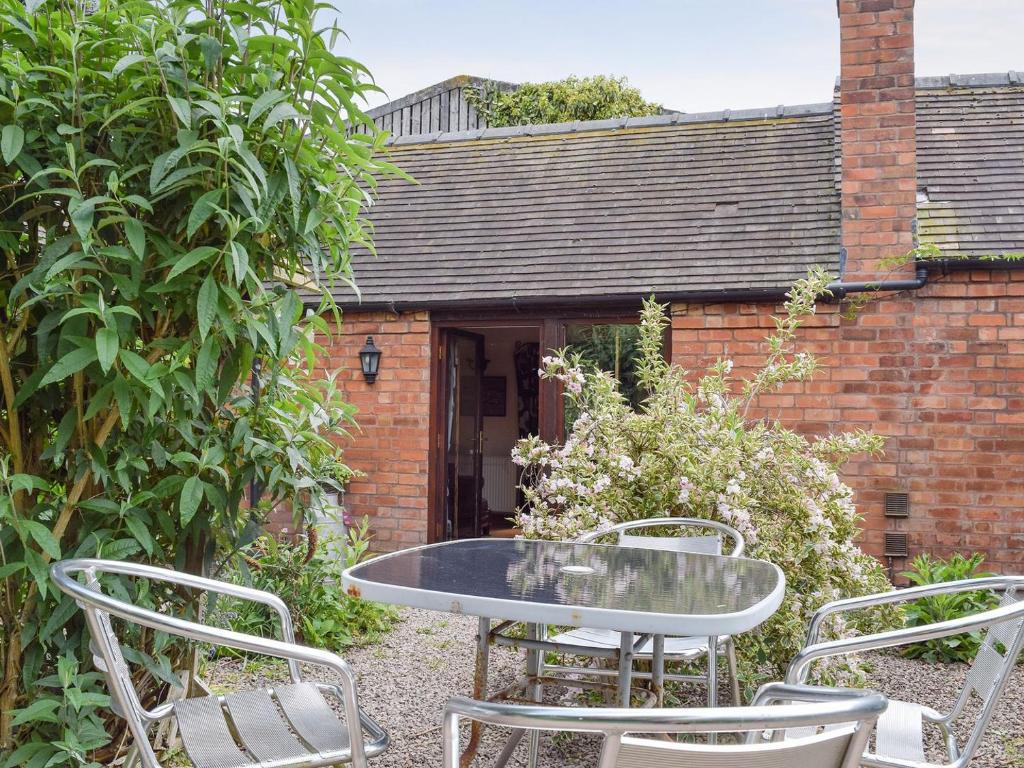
(559, 101)
(172, 172)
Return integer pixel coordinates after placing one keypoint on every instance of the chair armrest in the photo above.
(61, 574)
(798, 668)
(265, 598)
(788, 693)
(500, 629)
(902, 596)
(90, 594)
(830, 706)
(268, 599)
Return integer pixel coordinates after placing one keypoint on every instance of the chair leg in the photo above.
(625, 668)
(712, 680)
(658, 669)
(535, 691)
(131, 760)
(730, 651)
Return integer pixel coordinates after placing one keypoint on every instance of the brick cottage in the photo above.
(516, 241)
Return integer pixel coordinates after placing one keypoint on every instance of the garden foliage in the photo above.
(305, 572)
(691, 450)
(925, 569)
(575, 98)
(171, 172)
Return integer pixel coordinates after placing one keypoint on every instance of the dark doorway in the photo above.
(489, 398)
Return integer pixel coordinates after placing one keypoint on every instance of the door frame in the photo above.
(440, 332)
(550, 326)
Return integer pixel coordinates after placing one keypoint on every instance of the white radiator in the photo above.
(501, 477)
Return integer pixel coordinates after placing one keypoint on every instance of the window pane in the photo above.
(611, 348)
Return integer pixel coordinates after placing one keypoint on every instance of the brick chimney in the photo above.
(879, 172)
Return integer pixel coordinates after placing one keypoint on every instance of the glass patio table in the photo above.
(632, 591)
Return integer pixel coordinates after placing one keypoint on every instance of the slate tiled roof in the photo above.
(675, 205)
(970, 164)
(652, 205)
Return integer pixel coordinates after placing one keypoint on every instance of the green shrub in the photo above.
(172, 175)
(305, 572)
(925, 569)
(574, 98)
(690, 450)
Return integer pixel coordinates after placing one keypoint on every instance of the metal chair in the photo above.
(844, 718)
(607, 644)
(287, 725)
(899, 741)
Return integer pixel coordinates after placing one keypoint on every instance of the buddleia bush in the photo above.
(691, 450)
(178, 178)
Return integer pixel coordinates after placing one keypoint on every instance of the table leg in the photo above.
(534, 665)
(625, 667)
(483, 659)
(658, 669)
(483, 652)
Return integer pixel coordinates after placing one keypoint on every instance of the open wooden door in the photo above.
(463, 357)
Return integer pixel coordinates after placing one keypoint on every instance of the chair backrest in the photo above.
(992, 666)
(705, 545)
(711, 543)
(107, 651)
(836, 724)
(108, 658)
(832, 749)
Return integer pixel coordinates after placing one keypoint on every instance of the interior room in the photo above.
(492, 401)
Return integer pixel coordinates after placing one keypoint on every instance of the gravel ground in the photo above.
(406, 678)
(937, 686)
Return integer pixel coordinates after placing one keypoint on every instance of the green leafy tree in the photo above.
(575, 98)
(172, 174)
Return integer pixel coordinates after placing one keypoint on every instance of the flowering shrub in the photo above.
(691, 451)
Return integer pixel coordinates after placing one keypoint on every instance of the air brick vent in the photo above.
(895, 544)
(897, 505)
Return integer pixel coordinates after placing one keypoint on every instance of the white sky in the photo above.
(693, 55)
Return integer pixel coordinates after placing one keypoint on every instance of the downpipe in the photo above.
(842, 288)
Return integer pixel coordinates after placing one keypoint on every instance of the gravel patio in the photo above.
(406, 678)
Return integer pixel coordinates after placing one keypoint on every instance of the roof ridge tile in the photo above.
(618, 123)
(976, 80)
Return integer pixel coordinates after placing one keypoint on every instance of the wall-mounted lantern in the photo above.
(369, 359)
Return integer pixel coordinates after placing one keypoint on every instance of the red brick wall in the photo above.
(939, 372)
(392, 442)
